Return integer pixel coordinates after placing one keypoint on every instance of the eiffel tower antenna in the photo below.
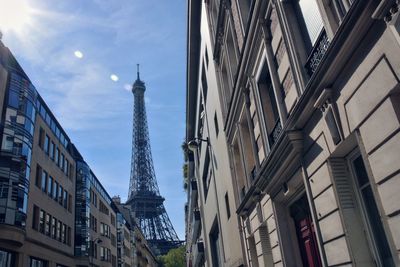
(144, 198)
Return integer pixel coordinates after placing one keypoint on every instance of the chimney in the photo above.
(116, 199)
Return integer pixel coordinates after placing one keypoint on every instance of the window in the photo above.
(103, 208)
(244, 7)
(63, 233)
(8, 143)
(105, 254)
(57, 156)
(52, 150)
(113, 240)
(7, 259)
(379, 244)
(42, 221)
(204, 83)
(50, 186)
(69, 236)
(310, 21)
(269, 105)
(215, 246)
(66, 166)
(38, 181)
(71, 171)
(93, 223)
(105, 230)
(13, 99)
(41, 138)
(112, 219)
(65, 199)
(206, 177)
(46, 144)
(69, 203)
(53, 227)
(216, 124)
(228, 209)
(48, 224)
(60, 195)
(35, 217)
(4, 190)
(58, 234)
(55, 191)
(44, 180)
(35, 262)
(93, 197)
(62, 160)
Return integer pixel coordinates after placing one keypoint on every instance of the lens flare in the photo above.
(114, 77)
(15, 15)
(78, 54)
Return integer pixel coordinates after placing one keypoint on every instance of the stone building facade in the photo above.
(309, 99)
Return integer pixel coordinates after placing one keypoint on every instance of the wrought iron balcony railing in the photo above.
(317, 53)
(276, 132)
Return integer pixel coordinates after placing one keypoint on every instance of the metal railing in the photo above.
(317, 53)
(276, 132)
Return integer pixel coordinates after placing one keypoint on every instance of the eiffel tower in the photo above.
(144, 198)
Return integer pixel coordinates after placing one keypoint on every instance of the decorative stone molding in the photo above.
(275, 168)
(273, 20)
(330, 113)
(220, 33)
(386, 10)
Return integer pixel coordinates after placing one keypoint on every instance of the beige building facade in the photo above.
(212, 221)
(309, 99)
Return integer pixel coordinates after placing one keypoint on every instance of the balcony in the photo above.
(196, 221)
(198, 253)
(317, 53)
(276, 132)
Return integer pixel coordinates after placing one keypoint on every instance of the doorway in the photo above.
(305, 231)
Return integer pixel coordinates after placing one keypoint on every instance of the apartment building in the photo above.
(95, 219)
(308, 93)
(54, 212)
(133, 249)
(213, 223)
(37, 180)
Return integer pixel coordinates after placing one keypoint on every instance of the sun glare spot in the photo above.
(127, 87)
(114, 77)
(15, 15)
(78, 54)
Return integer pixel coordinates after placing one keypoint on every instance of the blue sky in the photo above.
(96, 112)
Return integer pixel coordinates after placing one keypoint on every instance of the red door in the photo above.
(308, 247)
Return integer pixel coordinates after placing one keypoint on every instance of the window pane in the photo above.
(377, 228)
(13, 99)
(312, 19)
(361, 173)
(44, 181)
(46, 144)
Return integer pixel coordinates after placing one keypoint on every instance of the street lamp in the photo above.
(195, 143)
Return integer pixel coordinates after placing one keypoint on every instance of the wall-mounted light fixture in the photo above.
(194, 144)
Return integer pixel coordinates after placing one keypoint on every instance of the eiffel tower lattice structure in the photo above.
(144, 198)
